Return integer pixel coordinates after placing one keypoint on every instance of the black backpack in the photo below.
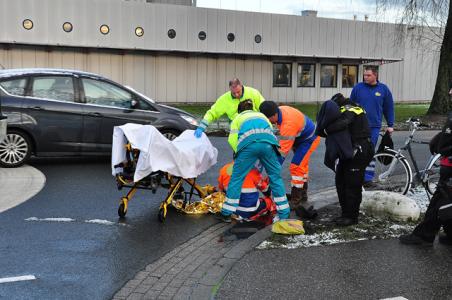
(386, 142)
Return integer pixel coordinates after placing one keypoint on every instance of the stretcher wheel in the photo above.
(122, 209)
(162, 214)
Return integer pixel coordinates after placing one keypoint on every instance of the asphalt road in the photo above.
(91, 254)
(376, 269)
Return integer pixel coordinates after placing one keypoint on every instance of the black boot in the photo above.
(305, 210)
(295, 198)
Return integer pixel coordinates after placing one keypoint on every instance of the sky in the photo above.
(338, 9)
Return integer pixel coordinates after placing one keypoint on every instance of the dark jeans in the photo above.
(430, 226)
(350, 178)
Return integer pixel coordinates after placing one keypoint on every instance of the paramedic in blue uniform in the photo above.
(376, 99)
(251, 137)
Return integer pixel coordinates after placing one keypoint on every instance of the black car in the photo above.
(54, 112)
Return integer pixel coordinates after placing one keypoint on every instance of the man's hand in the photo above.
(390, 130)
(198, 132)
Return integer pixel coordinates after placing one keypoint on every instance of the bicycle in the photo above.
(393, 172)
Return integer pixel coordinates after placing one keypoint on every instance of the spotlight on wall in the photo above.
(27, 24)
(139, 31)
(104, 29)
(67, 27)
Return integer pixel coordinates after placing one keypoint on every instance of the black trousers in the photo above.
(430, 226)
(350, 178)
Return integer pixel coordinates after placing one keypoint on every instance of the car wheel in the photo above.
(170, 134)
(15, 149)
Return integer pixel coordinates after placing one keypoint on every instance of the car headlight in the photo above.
(190, 120)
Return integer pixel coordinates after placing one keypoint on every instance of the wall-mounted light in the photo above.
(258, 38)
(231, 37)
(202, 35)
(104, 29)
(139, 31)
(171, 33)
(67, 27)
(27, 24)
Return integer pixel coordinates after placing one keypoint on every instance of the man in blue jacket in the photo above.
(376, 99)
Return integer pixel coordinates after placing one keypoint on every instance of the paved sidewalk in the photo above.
(196, 269)
(17, 185)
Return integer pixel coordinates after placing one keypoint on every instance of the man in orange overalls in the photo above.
(249, 203)
(297, 132)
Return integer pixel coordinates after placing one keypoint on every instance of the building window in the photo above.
(306, 75)
(27, 24)
(202, 35)
(139, 31)
(104, 29)
(171, 33)
(282, 74)
(328, 76)
(231, 37)
(258, 38)
(349, 76)
(67, 26)
(373, 66)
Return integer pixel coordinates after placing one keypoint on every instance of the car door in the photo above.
(108, 105)
(52, 115)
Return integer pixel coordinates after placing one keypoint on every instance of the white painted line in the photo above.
(395, 298)
(101, 222)
(18, 278)
(51, 219)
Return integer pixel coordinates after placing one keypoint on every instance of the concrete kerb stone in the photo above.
(202, 263)
(19, 184)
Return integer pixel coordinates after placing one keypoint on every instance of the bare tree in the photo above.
(430, 22)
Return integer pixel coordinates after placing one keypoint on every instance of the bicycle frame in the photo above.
(420, 175)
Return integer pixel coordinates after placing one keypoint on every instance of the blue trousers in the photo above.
(243, 163)
(370, 170)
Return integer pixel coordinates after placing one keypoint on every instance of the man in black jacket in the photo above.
(439, 211)
(350, 172)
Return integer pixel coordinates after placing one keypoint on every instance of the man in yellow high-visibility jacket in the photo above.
(228, 103)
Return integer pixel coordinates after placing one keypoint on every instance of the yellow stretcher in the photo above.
(183, 193)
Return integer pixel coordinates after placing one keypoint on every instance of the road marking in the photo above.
(101, 222)
(18, 278)
(94, 221)
(395, 298)
(51, 219)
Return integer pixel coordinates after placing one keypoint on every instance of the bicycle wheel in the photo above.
(391, 173)
(433, 174)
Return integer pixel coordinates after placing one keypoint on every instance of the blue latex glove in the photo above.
(198, 132)
(280, 159)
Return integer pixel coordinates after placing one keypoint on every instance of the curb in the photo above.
(19, 184)
(195, 269)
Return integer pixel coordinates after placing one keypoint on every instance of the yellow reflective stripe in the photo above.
(355, 109)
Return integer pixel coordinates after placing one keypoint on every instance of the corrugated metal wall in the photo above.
(199, 79)
(188, 75)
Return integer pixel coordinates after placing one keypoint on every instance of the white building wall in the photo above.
(186, 69)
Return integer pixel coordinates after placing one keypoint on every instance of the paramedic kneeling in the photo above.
(249, 204)
(251, 137)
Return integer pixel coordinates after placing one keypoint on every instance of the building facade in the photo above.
(182, 53)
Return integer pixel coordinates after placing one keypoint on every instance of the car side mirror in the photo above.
(133, 103)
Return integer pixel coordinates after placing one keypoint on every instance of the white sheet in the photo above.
(186, 156)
